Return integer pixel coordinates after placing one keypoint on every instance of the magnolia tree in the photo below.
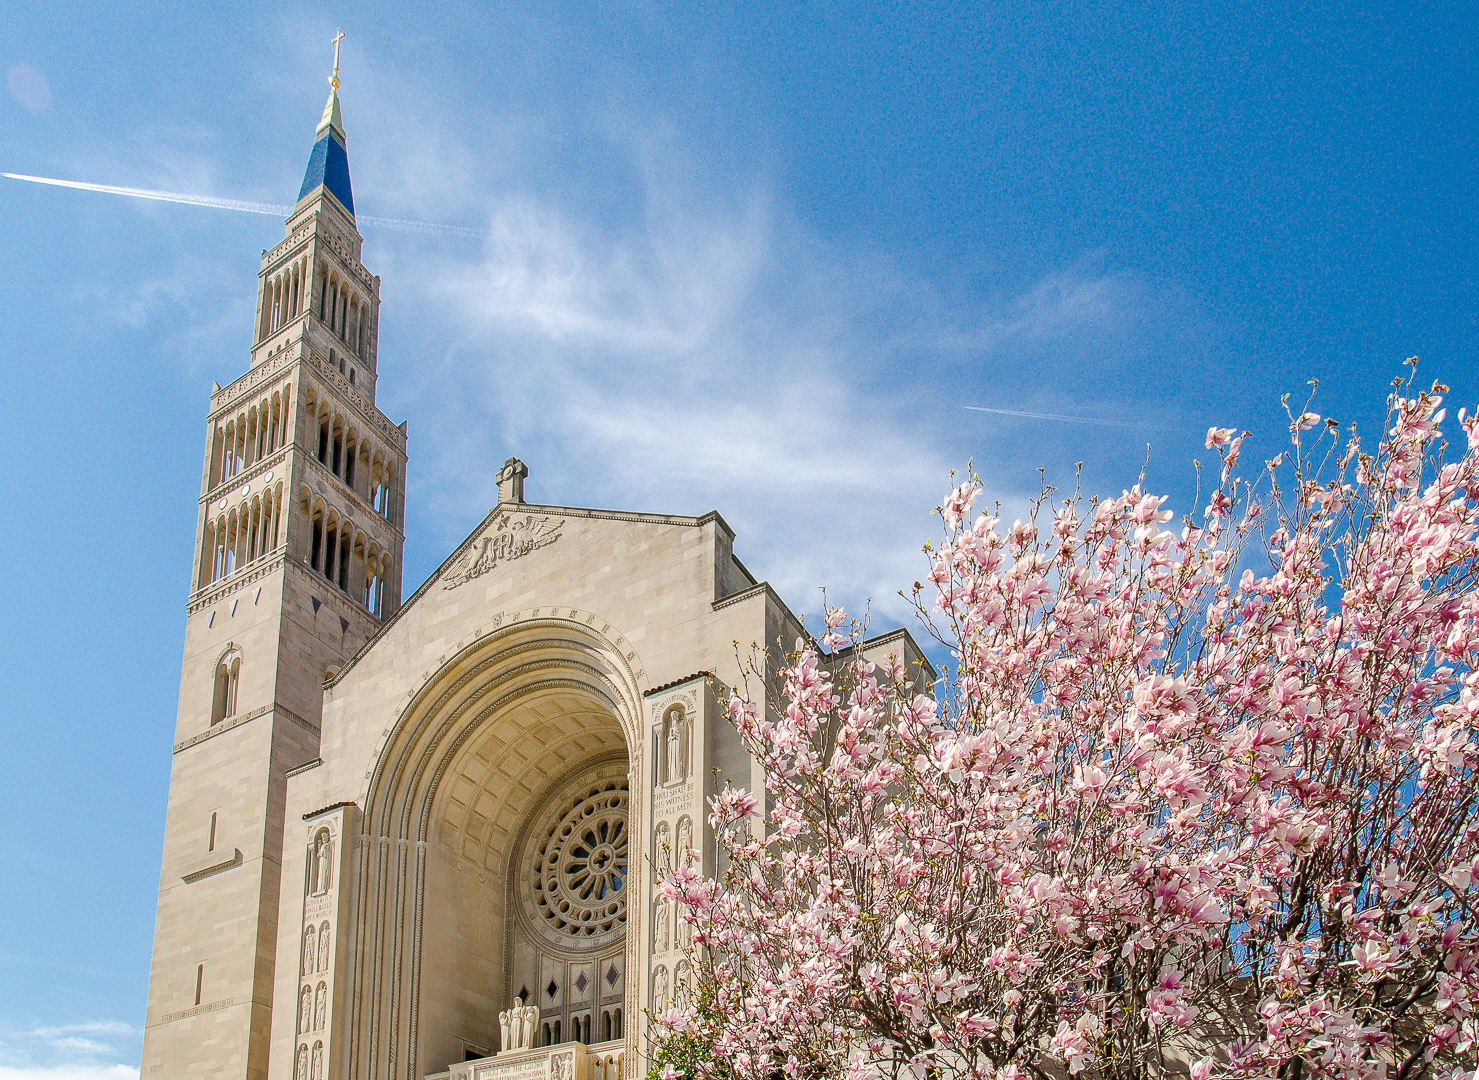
(1196, 798)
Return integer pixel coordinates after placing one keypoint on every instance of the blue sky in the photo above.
(736, 257)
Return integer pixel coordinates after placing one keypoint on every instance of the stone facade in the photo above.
(425, 839)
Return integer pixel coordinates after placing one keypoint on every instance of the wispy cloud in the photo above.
(701, 351)
(89, 1050)
(1057, 417)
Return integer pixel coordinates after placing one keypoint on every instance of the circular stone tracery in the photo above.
(580, 865)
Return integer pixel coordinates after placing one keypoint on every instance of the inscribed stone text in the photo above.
(672, 799)
(537, 1069)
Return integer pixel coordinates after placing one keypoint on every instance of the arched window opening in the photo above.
(351, 376)
(317, 543)
(323, 439)
(331, 549)
(228, 678)
(343, 575)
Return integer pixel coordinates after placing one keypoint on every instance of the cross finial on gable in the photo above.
(511, 481)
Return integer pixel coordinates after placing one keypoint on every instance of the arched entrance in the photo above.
(492, 857)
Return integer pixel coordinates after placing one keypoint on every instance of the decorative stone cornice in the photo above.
(231, 723)
(223, 399)
(216, 860)
(239, 579)
(214, 1006)
(371, 416)
(225, 488)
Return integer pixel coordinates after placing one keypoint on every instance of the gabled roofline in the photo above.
(519, 508)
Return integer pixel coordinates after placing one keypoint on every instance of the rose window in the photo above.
(580, 868)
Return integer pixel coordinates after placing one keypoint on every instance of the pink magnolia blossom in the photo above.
(1199, 797)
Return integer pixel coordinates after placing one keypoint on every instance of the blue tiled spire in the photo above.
(328, 165)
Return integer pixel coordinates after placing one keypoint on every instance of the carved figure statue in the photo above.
(323, 947)
(562, 1067)
(661, 927)
(677, 767)
(680, 982)
(320, 1007)
(305, 1011)
(685, 840)
(660, 989)
(516, 1027)
(662, 854)
(308, 939)
(322, 847)
(318, 1062)
(300, 1067)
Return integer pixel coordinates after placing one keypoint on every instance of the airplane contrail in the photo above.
(1051, 416)
(269, 209)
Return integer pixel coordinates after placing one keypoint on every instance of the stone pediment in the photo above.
(510, 537)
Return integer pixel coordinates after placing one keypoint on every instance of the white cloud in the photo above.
(29, 87)
(696, 348)
(88, 1050)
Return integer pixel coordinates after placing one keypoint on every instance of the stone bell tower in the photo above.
(297, 565)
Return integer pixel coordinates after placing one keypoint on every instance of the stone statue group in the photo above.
(517, 1025)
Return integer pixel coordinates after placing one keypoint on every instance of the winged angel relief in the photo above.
(510, 538)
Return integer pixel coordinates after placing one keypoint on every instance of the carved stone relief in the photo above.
(511, 537)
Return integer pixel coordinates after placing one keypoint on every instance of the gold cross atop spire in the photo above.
(334, 78)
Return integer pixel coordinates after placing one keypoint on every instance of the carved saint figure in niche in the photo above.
(673, 737)
(305, 1010)
(562, 1067)
(320, 1006)
(323, 947)
(300, 1067)
(318, 878)
(662, 852)
(308, 939)
(661, 926)
(660, 988)
(318, 1062)
(503, 1031)
(685, 841)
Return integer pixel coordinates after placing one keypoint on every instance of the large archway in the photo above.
(475, 877)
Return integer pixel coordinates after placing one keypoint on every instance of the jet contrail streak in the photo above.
(158, 196)
(268, 209)
(1050, 416)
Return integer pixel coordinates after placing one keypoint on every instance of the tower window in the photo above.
(228, 676)
(199, 981)
(351, 376)
(210, 844)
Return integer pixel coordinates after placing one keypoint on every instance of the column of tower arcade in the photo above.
(247, 524)
(347, 313)
(335, 548)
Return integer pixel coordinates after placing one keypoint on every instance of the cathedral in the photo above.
(415, 838)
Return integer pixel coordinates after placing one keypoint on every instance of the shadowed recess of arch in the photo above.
(479, 684)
